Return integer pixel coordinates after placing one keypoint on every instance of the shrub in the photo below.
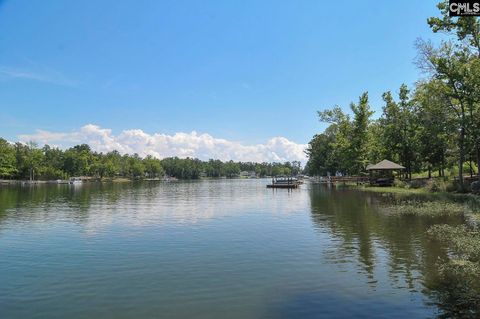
(417, 183)
(475, 187)
(423, 208)
(451, 186)
(436, 185)
(399, 183)
(458, 288)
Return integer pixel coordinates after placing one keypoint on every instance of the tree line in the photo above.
(431, 127)
(30, 162)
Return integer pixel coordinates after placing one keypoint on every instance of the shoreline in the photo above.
(67, 182)
(407, 191)
(110, 180)
(472, 217)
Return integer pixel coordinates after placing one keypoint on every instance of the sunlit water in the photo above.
(209, 249)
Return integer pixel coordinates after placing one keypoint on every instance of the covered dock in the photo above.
(383, 173)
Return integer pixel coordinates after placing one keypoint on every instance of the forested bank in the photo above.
(432, 127)
(29, 162)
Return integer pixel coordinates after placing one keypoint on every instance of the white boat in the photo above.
(75, 180)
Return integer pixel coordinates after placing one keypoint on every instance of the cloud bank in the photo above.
(202, 146)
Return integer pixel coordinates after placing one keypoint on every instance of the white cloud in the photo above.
(202, 146)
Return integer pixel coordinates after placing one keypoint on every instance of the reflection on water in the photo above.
(210, 249)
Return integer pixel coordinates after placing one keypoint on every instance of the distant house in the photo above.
(82, 178)
(248, 174)
(383, 173)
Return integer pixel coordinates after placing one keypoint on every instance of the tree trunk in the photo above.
(429, 171)
(442, 168)
(461, 157)
(478, 161)
(443, 165)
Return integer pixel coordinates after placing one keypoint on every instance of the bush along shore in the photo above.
(458, 286)
(428, 200)
(434, 186)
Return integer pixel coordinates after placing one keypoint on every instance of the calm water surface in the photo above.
(209, 249)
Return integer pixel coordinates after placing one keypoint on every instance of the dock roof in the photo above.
(385, 165)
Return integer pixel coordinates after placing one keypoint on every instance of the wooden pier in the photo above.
(341, 179)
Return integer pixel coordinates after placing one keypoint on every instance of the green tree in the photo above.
(320, 152)
(398, 129)
(153, 168)
(435, 125)
(7, 159)
(408, 128)
(360, 139)
(457, 65)
(232, 169)
(349, 143)
(53, 163)
(78, 160)
(29, 160)
(214, 168)
(342, 126)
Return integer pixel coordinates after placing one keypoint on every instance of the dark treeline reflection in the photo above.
(107, 203)
(38, 202)
(372, 239)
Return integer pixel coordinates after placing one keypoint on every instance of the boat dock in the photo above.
(341, 179)
(286, 182)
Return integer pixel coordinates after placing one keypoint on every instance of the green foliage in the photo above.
(360, 140)
(29, 161)
(153, 167)
(7, 159)
(436, 185)
(78, 160)
(408, 207)
(456, 65)
(320, 154)
(452, 187)
(435, 124)
(417, 183)
(231, 169)
(182, 168)
(400, 183)
(344, 146)
(390, 125)
(458, 289)
(466, 28)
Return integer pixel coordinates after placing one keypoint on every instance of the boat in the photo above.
(75, 181)
(284, 182)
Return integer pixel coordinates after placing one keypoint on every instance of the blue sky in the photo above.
(238, 70)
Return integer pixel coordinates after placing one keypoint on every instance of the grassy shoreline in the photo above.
(395, 190)
(423, 202)
(412, 191)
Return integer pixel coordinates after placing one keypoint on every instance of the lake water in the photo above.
(210, 249)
